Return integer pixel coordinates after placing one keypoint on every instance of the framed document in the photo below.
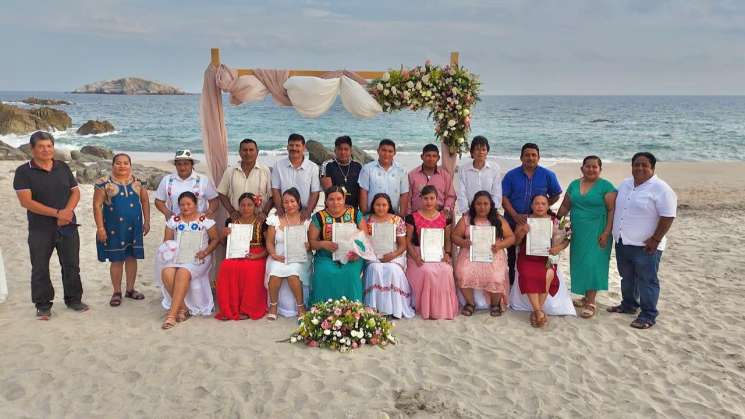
(383, 238)
(482, 239)
(189, 243)
(538, 240)
(295, 238)
(341, 234)
(239, 240)
(432, 244)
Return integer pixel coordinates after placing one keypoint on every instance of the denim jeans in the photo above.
(640, 287)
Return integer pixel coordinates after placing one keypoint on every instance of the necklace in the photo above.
(349, 167)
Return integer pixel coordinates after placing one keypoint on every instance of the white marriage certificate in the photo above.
(295, 238)
(189, 243)
(432, 244)
(482, 239)
(239, 240)
(341, 234)
(383, 238)
(539, 237)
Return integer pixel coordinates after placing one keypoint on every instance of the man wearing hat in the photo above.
(186, 179)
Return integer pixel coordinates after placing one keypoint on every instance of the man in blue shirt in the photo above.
(519, 186)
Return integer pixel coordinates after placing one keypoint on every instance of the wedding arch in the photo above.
(448, 92)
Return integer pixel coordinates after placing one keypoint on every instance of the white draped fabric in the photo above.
(558, 305)
(313, 96)
(3, 283)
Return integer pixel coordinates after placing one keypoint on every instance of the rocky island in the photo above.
(129, 86)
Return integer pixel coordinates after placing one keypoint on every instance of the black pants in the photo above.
(511, 259)
(41, 243)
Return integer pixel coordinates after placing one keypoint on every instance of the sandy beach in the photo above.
(117, 362)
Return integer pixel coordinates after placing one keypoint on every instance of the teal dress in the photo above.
(588, 262)
(122, 218)
(332, 279)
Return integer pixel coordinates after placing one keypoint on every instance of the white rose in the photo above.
(419, 85)
(293, 340)
(338, 323)
(379, 86)
(327, 332)
(425, 78)
(466, 112)
(362, 341)
(386, 92)
(454, 90)
(410, 84)
(440, 115)
(315, 321)
(386, 76)
(451, 123)
(394, 90)
(461, 140)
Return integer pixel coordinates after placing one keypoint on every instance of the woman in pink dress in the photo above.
(491, 277)
(432, 283)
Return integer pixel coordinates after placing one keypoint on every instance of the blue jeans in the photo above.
(640, 287)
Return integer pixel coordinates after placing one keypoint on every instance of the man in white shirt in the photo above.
(478, 175)
(384, 175)
(298, 172)
(246, 176)
(645, 209)
(186, 179)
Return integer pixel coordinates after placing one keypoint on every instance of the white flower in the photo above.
(386, 92)
(380, 87)
(425, 78)
(386, 76)
(391, 338)
(394, 90)
(410, 84)
(315, 321)
(419, 85)
(461, 140)
(337, 333)
(327, 332)
(466, 112)
(338, 323)
(451, 123)
(293, 339)
(440, 115)
(362, 341)
(454, 90)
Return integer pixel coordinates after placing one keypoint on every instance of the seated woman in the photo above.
(492, 278)
(186, 286)
(333, 279)
(240, 282)
(386, 287)
(432, 283)
(537, 277)
(295, 274)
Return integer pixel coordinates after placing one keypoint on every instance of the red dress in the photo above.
(531, 271)
(240, 284)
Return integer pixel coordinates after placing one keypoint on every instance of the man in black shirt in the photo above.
(49, 192)
(342, 171)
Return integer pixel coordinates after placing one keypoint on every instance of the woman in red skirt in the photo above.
(536, 275)
(240, 283)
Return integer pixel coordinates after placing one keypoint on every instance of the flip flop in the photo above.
(588, 311)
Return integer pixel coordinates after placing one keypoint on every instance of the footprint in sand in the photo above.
(12, 391)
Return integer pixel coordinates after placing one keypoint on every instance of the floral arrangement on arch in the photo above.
(343, 325)
(449, 92)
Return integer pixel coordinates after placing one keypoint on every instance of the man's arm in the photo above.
(663, 225)
(225, 201)
(363, 200)
(509, 210)
(26, 201)
(277, 198)
(403, 204)
(312, 202)
(161, 206)
(450, 197)
(214, 205)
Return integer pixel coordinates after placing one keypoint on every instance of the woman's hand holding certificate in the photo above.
(296, 246)
(482, 241)
(432, 244)
(539, 236)
(239, 241)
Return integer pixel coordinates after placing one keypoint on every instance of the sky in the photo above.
(562, 47)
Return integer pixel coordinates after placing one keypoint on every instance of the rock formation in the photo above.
(15, 120)
(129, 86)
(95, 127)
(48, 102)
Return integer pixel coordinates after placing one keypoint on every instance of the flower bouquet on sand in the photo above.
(343, 325)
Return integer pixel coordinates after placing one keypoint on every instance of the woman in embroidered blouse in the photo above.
(186, 286)
(333, 279)
(240, 282)
(121, 210)
(432, 283)
(386, 287)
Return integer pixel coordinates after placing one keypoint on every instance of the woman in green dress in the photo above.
(334, 279)
(591, 201)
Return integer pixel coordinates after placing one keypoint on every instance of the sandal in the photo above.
(588, 311)
(134, 294)
(183, 315)
(533, 319)
(641, 324)
(271, 316)
(495, 310)
(169, 323)
(467, 310)
(116, 299)
(300, 311)
(542, 321)
(579, 302)
(621, 309)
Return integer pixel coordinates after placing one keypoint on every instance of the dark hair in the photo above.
(386, 141)
(549, 211)
(248, 141)
(40, 136)
(117, 155)
(479, 140)
(293, 192)
(428, 190)
(296, 137)
(344, 139)
(592, 157)
(188, 194)
(492, 216)
(529, 145)
(335, 189)
(387, 199)
(430, 147)
(652, 159)
(245, 195)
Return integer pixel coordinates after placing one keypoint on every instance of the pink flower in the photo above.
(428, 63)
(314, 310)
(357, 316)
(325, 325)
(354, 345)
(312, 343)
(405, 74)
(373, 341)
(337, 311)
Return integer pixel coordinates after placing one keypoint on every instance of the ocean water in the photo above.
(567, 128)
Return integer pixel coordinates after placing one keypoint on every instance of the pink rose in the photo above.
(337, 311)
(313, 344)
(374, 341)
(354, 345)
(405, 74)
(428, 63)
(325, 325)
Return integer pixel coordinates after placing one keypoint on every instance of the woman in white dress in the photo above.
(386, 287)
(186, 286)
(286, 297)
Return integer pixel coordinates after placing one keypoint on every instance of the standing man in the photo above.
(343, 171)
(298, 172)
(519, 186)
(646, 207)
(49, 192)
(246, 176)
(186, 179)
(385, 175)
(429, 173)
(478, 175)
